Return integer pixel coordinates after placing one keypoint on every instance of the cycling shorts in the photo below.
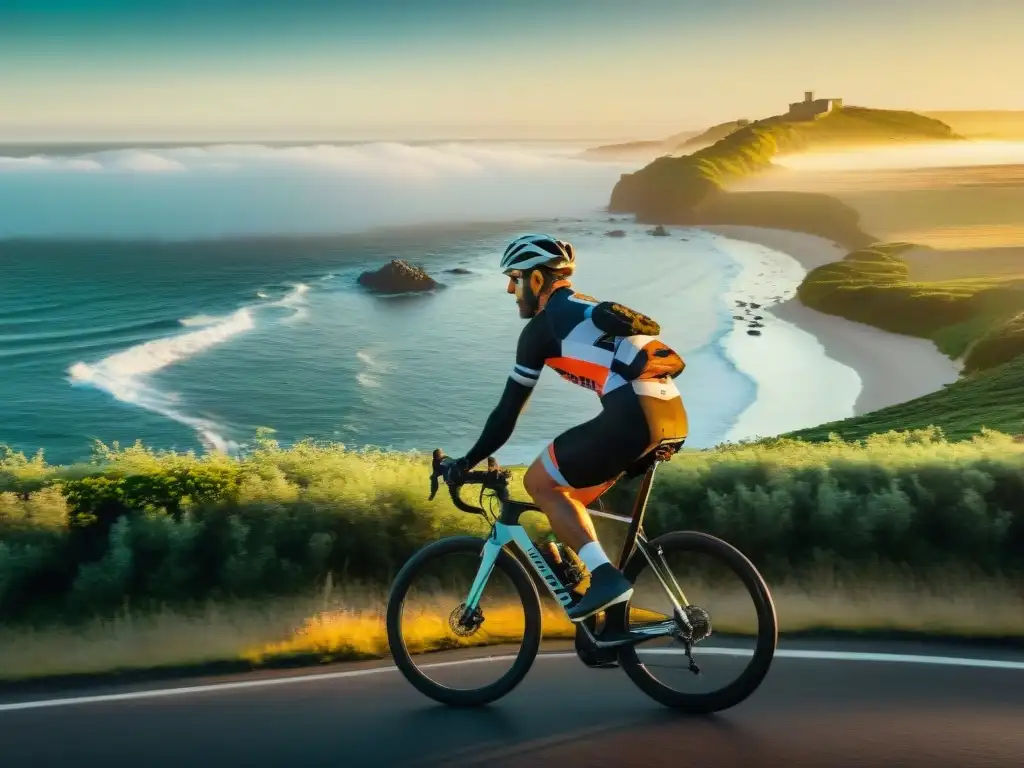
(633, 420)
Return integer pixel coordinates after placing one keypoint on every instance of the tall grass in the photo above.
(310, 629)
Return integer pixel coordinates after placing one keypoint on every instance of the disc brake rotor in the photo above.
(465, 624)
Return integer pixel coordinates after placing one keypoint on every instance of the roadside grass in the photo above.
(317, 630)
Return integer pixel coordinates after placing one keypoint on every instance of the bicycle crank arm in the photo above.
(631, 638)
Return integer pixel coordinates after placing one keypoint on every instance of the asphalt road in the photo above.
(846, 709)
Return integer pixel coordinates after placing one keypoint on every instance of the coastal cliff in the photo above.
(670, 190)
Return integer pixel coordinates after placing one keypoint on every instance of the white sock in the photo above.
(593, 555)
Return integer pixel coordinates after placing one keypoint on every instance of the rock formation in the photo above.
(398, 277)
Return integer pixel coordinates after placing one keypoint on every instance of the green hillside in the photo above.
(991, 399)
(669, 189)
(980, 319)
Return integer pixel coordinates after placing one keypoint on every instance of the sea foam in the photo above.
(124, 375)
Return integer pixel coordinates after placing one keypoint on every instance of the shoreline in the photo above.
(891, 368)
(796, 383)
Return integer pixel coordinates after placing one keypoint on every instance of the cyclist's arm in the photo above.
(533, 349)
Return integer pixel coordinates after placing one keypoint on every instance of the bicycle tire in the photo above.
(767, 636)
(528, 596)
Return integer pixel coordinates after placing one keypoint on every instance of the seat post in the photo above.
(639, 508)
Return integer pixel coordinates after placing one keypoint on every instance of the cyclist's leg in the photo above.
(583, 462)
(587, 496)
(580, 465)
(577, 467)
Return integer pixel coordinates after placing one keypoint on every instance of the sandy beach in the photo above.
(892, 368)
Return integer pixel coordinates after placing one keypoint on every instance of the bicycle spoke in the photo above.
(724, 607)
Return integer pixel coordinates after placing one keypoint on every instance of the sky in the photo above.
(423, 69)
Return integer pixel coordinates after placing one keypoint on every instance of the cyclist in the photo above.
(601, 346)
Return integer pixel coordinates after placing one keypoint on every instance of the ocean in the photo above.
(186, 297)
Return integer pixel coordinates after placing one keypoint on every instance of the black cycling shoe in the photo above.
(607, 587)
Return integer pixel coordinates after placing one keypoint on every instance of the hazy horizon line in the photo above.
(30, 134)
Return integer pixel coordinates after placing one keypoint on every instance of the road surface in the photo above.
(848, 707)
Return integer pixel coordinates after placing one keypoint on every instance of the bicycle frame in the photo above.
(507, 530)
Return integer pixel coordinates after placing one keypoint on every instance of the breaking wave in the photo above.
(124, 375)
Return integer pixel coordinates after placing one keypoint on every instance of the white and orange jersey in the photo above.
(564, 338)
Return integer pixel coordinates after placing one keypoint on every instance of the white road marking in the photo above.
(781, 653)
(263, 683)
(897, 658)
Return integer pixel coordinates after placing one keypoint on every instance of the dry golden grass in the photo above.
(363, 633)
(993, 608)
(139, 642)
(258, 634)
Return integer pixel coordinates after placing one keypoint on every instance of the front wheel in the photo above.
(433, 635)
(725, 597)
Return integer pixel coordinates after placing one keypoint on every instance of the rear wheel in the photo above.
(724, 594)
(449, 654)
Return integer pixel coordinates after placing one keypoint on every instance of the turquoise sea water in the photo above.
(138, 325)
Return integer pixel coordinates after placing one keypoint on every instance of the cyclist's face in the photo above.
(517, 287)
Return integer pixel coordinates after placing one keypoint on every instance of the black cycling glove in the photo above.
(456, 471)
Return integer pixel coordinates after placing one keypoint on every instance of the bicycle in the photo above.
(688, 624)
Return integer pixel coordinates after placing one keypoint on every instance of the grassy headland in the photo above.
(980, 319)
(162, 537)
(669, 189)
(969, 302)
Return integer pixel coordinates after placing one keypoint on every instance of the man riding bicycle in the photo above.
(608, 349)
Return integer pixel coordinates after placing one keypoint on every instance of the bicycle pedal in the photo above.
(592, 656)
(609, 664)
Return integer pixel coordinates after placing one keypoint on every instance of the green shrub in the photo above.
(278, 521)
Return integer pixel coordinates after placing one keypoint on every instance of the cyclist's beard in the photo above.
(528, 304)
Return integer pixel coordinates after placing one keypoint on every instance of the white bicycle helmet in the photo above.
(530, 251)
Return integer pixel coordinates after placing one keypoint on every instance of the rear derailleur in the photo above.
(691, 628)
